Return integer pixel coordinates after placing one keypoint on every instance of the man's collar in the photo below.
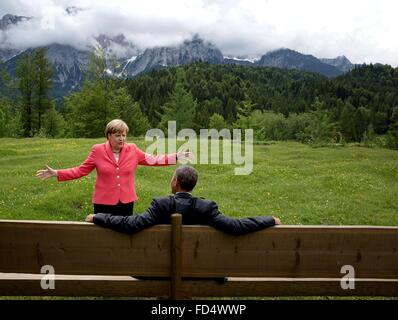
(183, 194)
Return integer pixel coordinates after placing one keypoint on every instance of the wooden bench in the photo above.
(196, 261)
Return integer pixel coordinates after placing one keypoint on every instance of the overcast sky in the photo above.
(364, 31)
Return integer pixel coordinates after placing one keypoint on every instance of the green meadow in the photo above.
(347, 185)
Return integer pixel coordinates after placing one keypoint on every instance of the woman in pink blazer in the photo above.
(115, 162)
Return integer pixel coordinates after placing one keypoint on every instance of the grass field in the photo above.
(302, 185)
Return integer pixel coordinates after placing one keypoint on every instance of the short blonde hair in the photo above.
(116, 125)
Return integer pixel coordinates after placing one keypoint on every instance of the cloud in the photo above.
(364, 32)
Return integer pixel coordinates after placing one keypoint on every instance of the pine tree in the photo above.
(362, 116)
(319, 129)
(90, 109)
(368, 136)
(7, 82)
(53, 123)
(217, 121)
(26, 83)
(244, 115)
(130, 112)
(180, 107)
(34, 74)
(7, 118)
(3, 119)
(380, 122)
(347, 122)
(43, 75)
(392, 134)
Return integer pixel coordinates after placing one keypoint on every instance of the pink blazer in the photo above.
(115, 180)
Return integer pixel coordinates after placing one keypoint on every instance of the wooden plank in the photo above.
(287, 251)
(176, 256)
(79, 286)
(83, 248)
(29, 285)
(293, 287)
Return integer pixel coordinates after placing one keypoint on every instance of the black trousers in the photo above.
(120, 209)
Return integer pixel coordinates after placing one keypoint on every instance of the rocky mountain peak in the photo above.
(6, 22)
(9, 20)
(192, 50)
(290, 59)
(340, 62)
(115, 46)
(73, 10)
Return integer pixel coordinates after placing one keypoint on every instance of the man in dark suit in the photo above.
(194, 211)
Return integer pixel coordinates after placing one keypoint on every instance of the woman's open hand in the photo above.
(184, 155)
(46, 173)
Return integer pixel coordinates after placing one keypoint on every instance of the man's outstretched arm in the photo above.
(239, 226)
(127, 224)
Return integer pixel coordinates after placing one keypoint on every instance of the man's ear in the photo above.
(175, 182)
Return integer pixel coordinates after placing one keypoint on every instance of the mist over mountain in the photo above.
(117, 47)
(8, 21)
(126, 60)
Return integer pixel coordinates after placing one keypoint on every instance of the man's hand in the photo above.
(90, 218)
(277, 221)
(46, 173)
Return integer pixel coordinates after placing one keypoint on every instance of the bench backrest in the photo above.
(283, 251)
(82, 249)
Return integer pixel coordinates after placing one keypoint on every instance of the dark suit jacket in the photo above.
(194, 211)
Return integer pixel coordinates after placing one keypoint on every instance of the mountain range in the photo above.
(125, 60)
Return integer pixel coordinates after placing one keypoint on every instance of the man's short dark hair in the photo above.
(187, 176)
